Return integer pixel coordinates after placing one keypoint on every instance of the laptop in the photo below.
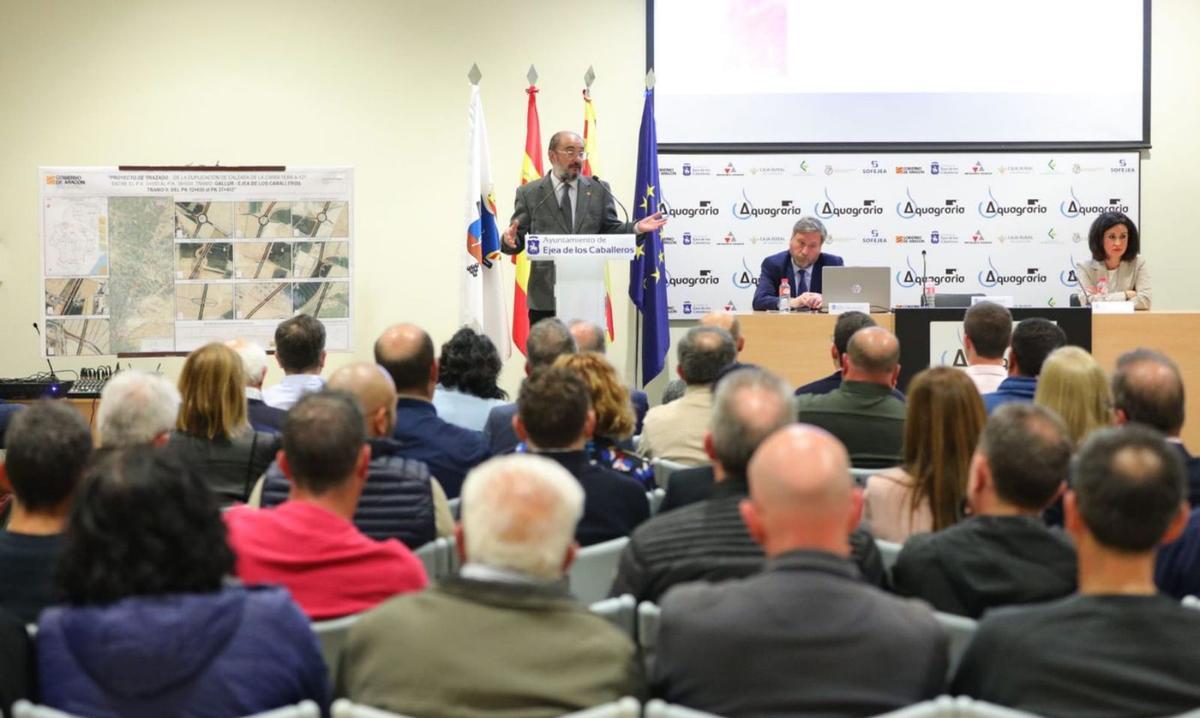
(872, 285)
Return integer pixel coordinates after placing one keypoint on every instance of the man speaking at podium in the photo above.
(564, 202)
(800, 264)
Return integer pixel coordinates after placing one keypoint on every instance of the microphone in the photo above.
(924, 278)
(608, 192)
(53, 376)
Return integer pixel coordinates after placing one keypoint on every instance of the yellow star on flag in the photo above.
(639, 251)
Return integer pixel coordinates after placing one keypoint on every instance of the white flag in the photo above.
(483, 305)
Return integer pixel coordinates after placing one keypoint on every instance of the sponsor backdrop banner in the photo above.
(998, 224)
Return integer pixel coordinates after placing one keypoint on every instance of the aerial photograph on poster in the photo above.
(211, 260)
(204, 220)
(263, 220)
(322, 260)
(320, 219)
(323, 300)
(262, 260)
(263, 300)
(78, 296)
(77, 337)
(197, 302)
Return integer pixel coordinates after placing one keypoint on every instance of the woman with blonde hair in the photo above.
(926, 492)
(1073, 385)
(615, 417)
(213, 434)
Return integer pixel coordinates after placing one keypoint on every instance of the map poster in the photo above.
(164, 261)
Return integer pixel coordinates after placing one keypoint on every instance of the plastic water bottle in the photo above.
(1101, 289)
(927, 294)
(785, 295)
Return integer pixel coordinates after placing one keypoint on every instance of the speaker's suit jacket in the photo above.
(777, 266)
(537, 212)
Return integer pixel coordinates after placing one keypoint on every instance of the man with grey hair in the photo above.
(862, 412)
(675, 431)
(418, 653)
(136, 407)
(548, 340)
(707, 540)
(590, 337)
(800, 264)
(262, 416)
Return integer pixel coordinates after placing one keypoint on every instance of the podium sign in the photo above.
(579, 269)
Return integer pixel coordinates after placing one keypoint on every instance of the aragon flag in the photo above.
(589, 169)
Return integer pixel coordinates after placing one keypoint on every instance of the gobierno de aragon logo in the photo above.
(61, 180)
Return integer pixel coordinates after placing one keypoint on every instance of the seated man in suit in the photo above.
(862, 412)
(254, 365)
(1032, 341)
(589, 337)
(555, 419)
(800, 264)
(707, 540)
(547, 341)
(1118, 647)
(503, 637)
(806, 636)
(400, 499)
(1002, 553)
(406, 352)
(847, 324)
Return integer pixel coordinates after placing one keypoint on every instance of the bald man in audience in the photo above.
(863, 412)
(590, 337)
(1118, 647)
(706, 540)
(502, 637)
(400, 499)
(406, 352)
(806, 636)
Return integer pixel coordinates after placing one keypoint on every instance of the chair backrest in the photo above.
(663, 469)
(595, 568)
(655, 498)
(661, 709)
(343, 708)
(25, 709)
(456, 507)
(940, 707)
(303, 709)
(332, 637)
(965, 707)
(430, 555)
(648, 616)
(961, 630)
(1190, 602)
(621, 611)
(889, 551)
(860, 476)
(627, 707)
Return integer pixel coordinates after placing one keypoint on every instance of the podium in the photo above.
(580, 262)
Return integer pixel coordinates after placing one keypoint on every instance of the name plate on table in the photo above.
(542, 247)
(1112, 307)
(1002, 300)
(843, 307)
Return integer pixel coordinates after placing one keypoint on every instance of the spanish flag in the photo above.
(531, 170)
(589, 168)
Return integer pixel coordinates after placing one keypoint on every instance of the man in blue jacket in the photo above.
(801, 264)
(1032, 341)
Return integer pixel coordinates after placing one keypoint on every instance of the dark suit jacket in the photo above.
(498, 430)
(537, 212)
(804, 637)
(641, 404)
(613, 505)
(1192, 464)
(264, 417)
(1177, 570)
(449, 450)
(687, 486)
(777, 266)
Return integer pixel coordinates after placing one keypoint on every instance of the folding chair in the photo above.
(648, 616)
(343, 708)
(303, 709)
(890, 551)
(660, 709)
(663, 470)
(625, 708)
(655, 498)
(961, 630)
(621, 611)
(595, 568)
(332, 637)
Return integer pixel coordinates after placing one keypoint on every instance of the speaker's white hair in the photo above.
(135, 408)
(519, 512)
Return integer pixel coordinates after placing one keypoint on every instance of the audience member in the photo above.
(729, 322)
(547, 341)
(400, 500)
(589, 337)
(674, 390)
(1117, 648)
(254, 369)
(300, 351)
(7, 411)
(406, 352)
(925, 493)
(150, 627)
(49, 448)
(675, 431)
(213, 436)
(308, 543)
(847, 324)
(137, 407)
(987, 331)
(1073, 385)
(862, 412)
(543, 654)
(16, 663)
(708, 540)
(467, 372)
(1032, 341)
(1148, 389)
(725, 648)
(614, 417)
(1002, 554)
(555, 418)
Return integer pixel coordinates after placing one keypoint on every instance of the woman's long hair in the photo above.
(213, 391)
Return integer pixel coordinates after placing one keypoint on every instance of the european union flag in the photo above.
(648, 271)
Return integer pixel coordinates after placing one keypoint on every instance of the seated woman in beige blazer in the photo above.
(1117, 271)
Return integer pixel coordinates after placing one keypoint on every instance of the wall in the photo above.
(381, 85)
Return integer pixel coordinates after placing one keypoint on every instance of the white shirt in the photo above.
(469, 412)
(987, 377)
(286, 393)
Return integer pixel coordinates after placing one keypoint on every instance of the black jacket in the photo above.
(614, 504)
(230, 467)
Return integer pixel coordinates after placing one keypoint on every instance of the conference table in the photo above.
(796, 346)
